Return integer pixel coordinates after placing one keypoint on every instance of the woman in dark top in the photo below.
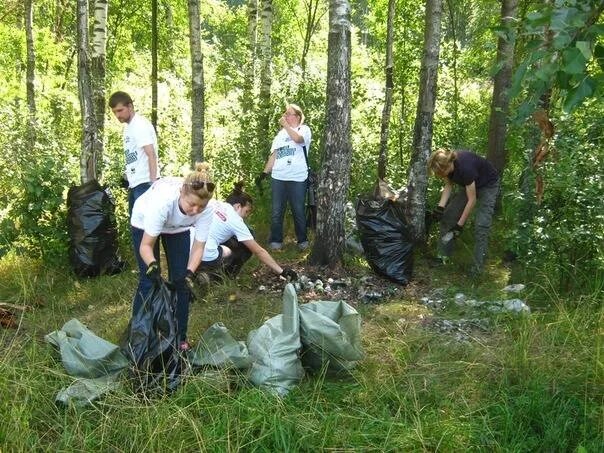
(481, 186)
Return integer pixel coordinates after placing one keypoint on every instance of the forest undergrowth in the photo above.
(510, 382)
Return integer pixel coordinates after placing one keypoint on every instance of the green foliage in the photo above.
(563, 238)
(561, 40)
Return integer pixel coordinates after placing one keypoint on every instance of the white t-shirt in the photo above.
(139, 132)
(157, 211)
(225, 224)
(290, 164)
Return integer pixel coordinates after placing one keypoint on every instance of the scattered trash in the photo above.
(516, 288)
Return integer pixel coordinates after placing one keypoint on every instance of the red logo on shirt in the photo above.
(221, 215)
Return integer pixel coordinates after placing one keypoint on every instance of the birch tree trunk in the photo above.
(334, 178)
(154, 39)
(197, 84)
(30, 72)
(383, 156)
(422, 133)
(98, 58)
(88, 170)
(249, 74)
(265, 49)
(500, 103)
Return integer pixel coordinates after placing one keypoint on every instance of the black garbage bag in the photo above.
(311, 199)
(151, 343)
(92, 231)
(385, 237)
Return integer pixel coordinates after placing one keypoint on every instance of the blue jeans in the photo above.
(294, 193)
(134, 193)
(177, 248)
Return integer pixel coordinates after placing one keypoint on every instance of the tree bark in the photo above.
(334, 178)
(98, 59)
(385, 130)
(265, 49)
(30, 72)
(88, 161)
(422, 133)
(154, 41)
(249, 74)
(197, 84)
(500, 103)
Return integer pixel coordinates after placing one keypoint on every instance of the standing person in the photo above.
(167, 210)
(287, 164)
(140, 147)
(480, 183)
(230, 242)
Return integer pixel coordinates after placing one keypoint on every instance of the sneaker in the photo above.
(184, 346)
(303, 245)
(275, 245)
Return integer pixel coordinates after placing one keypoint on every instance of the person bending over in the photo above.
(231, 243)
(168, 210)
(478, 184)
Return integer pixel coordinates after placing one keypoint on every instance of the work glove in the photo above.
(456, 230)
(258, 180)
(153, 273)
(197, 283)
(124, 184)
(437, 213)
(289, 274)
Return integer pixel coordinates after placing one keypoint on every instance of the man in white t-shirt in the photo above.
(140, 147)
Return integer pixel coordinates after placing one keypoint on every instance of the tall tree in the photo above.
(383, 156)
(500, 102)
(422, 133)
(265, 49)
(249, 75)
(97, 60)
(311, 24)
(328, 248)
(154, 41)
(197, 83)
(30, 72)
(88, 161)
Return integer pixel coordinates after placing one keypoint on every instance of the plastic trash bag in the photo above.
(218, 348)
(151, 343)
(84, 391)
(92, 231)
(331, 335)
(83, 353)
(274, 348)
(385, 238)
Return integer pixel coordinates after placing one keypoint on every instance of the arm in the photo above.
(269, 163)
(263, 255)
(146, 248)
(291, 131)
(471, 194)
(445, 194)
(152, 157)
(195, 255)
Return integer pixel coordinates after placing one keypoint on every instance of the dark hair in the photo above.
(119, 97)
(239, 196)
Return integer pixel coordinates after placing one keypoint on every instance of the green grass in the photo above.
(528, 384)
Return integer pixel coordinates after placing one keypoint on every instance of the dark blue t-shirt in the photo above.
(471, 168)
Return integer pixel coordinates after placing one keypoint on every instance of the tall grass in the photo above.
(529, 384)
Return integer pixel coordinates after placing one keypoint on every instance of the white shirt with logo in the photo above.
(139, 132)
(226, 223)
(290, 164)
(157, 211)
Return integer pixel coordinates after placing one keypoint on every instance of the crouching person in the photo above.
(231, 243)
(167, 211)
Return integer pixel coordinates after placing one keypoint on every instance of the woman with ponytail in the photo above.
(230, 242)
(168, 210)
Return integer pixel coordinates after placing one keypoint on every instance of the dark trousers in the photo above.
(134, 193)
(486, 198)
(176, 247)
